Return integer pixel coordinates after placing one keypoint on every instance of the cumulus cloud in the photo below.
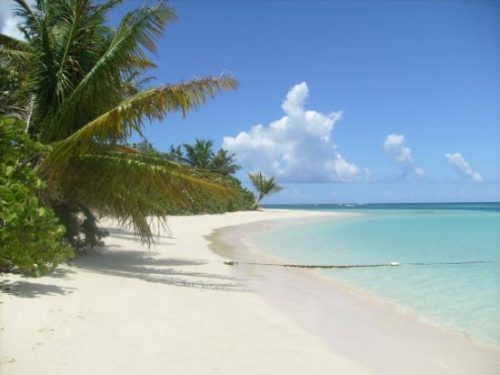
(297, 147)
(460, 165)
(8, 19)
(395, 146)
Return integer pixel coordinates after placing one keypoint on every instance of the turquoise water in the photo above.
(465, 297)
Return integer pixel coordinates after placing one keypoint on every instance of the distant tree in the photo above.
(200, 154)
(224, 163)
(175, 153)
(146, 148)
(264, 186)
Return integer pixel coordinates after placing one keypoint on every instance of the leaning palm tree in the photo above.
(264, 186)
(79, 87)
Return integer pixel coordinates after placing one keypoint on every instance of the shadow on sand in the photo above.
(126, 235)
(113, 260)
(142, 266)
(28, 289)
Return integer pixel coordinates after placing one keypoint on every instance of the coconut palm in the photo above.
(199, 154)
(264, 186)
(175, 153)
(80, 90)
(224, 163)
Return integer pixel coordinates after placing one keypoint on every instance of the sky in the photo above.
(342, 101)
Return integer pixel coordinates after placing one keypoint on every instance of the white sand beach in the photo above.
(178, 309)
(367, 233)
(174, 309)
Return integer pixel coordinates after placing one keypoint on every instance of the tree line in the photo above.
(201, 156)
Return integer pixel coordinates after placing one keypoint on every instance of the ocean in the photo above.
(448, 255)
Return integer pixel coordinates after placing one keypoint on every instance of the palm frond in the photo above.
(109, 4)
(73, 25)
(69, 37)
(132, 187)
(24, 7)
(141, 63)
(121, 121)
(137, 31)
(26, 13)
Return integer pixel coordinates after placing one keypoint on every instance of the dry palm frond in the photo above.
(132, 187)
(120, 122)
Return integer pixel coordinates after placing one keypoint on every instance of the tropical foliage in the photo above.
(77, 84)
(201, 156)
(264, 186)
(30, 233)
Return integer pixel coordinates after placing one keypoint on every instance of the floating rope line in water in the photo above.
(233, 263)
(326, 266)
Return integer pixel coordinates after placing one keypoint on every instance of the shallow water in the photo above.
(465, 297)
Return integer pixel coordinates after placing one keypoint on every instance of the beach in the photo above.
(173, 309)
(180, 196)
(177, 308)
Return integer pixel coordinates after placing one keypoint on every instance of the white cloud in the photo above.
(296, 148)
(8, 19)
(397, 149)
(463, 168)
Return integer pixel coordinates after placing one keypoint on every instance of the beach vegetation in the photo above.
(264, 186)
(31, 235)
(201, 156)
(79, 87)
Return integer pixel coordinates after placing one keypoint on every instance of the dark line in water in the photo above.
(231, 263)
(326, 266)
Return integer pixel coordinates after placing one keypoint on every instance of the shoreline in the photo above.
(173, 308)
(259, 254)
(453, 340)
(178, 308)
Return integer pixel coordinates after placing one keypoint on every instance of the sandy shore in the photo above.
(176, 309)
(380, 335)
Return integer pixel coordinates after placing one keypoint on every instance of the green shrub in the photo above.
(30, 233)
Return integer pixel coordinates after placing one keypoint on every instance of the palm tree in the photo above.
(224, 163)
(264, 186)
(175, 154)
(79, 90)
(200, 154)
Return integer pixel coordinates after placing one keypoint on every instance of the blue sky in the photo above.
(420, 77)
